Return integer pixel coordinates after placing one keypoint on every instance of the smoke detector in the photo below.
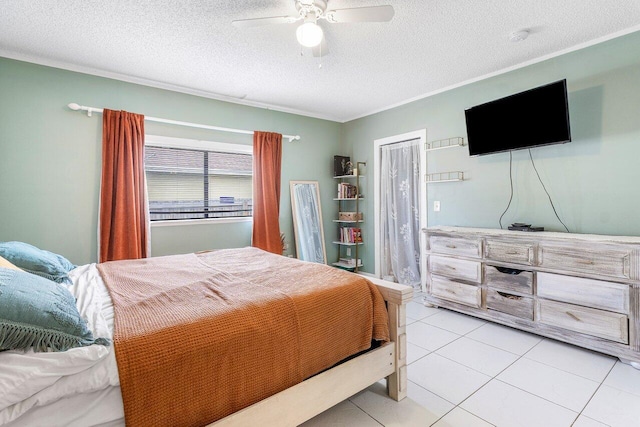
(518, 36)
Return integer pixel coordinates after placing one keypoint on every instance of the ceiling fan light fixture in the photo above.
(309, 34)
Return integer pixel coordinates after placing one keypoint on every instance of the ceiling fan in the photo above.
(309, 33)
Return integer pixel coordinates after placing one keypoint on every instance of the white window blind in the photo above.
(195, 184)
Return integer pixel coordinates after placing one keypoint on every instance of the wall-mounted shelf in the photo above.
(445, 177)
(344, 221)
(348, 244)
(348, 176)
(457, 141)
(347, 266)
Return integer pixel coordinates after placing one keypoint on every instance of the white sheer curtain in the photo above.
(400, 211)
(308, 222)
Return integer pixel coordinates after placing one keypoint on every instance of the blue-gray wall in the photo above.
(593, 181)
(50, 157)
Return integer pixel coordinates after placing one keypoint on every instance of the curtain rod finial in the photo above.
(294, 138)
(76, 107)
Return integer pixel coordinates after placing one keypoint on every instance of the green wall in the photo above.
(50, 158)
(593, 180)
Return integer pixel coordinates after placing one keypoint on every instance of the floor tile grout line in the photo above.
(522, 356)
(448, 330)
(425, 317)
(596, 392)
(564, 370)
(473, 369)
(450, 410)
(539, 397)
(526, 391)
(435, 394)
(519, 356)
(618, 388)
(457, 405)
(589, 418)
(580, 348)
(511, 385)
(442, 346)
(477, 340)
(475, 415)
(422, 357)
(466, 398)
(368, 414)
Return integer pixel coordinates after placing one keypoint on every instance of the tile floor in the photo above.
(465, 372)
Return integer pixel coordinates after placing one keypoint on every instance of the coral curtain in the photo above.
(124, 217)
(267, 161)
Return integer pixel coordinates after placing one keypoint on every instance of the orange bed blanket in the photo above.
(200, 336)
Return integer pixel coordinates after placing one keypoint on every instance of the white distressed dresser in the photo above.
(578, 288)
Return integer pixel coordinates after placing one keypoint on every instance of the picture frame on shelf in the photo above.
(341, 165)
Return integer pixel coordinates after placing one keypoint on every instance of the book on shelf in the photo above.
(350, 235)
(347, 191)
(357, 235)
(350, 262)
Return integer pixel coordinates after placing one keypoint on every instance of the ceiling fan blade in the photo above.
(257, 22)
(361, 14)
(321, 49)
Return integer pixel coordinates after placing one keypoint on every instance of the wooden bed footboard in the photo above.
(397, 296)
(303, 401)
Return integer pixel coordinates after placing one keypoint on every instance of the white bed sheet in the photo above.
(78, 387)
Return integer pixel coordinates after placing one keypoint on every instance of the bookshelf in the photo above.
(349, 232)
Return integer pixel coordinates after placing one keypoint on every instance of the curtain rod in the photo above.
(90, 110)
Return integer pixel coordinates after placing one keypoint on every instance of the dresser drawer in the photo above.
(588, 292)
(509, 279)
(469, 247)
(444, 288)
(515, 252)
(515, 305)
(599, 323)
(602, 259)
(456, 268)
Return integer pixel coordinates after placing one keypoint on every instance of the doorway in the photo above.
(400, 206)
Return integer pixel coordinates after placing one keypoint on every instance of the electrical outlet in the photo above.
(436, 206)
(348, 251)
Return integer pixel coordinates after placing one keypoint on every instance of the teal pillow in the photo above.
(40, 314)
(37, 261)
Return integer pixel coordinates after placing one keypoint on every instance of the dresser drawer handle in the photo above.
(509, 296)
(505, 270)
(573, 316)
(512, 253)
(588, 262)
(451, 246)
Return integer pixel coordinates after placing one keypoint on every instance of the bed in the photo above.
(85, 385)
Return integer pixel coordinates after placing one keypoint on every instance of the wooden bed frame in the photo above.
(309, 398)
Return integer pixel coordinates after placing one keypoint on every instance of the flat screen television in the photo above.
(538, 116)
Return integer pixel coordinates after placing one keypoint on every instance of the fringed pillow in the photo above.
(40, 314)
(6, 264)
(37, 261)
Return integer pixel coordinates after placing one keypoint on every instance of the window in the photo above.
(197, 180)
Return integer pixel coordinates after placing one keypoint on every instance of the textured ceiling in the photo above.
(191, 46)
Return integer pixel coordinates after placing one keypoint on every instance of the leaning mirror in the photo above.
(307, 221)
